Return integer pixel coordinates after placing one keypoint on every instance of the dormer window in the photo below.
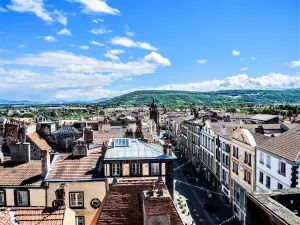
(21, 197)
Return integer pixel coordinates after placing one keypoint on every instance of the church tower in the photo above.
(154, 116)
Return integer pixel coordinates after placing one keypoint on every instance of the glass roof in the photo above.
(121, 142)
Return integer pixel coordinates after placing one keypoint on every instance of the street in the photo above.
(197, 198)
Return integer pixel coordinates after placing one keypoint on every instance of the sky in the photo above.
(91, 49)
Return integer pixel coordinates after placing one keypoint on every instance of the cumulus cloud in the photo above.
(127, 42)
(112, 54)
(157, 59)
(242, 81)
(201, 61)
(64, 31)
(235, 53)
(97, 21)
(97, 43)
(253, 58)
(38, 8)
(244, 69)
(295, 64)
(84, 47)
(22, 46)
(100, 31)
(49, 38)
(96, 6)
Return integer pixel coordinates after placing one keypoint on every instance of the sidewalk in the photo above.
(220, 211)
(183, 210)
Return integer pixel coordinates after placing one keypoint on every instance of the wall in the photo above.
(37, 197)
(92, 189)
(69, 217)
(272, 172)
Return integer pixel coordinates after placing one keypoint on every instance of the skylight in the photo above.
(121, 142)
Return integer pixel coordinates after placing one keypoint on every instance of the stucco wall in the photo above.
(95, 189)
(37, 197)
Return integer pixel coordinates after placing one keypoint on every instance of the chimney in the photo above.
(45, 162)
(20, 152)
(80, 148)
(1, 156)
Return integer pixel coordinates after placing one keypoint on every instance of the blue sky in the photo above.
(80, 50)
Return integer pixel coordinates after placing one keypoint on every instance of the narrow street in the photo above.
(194, 202)
(197, 198)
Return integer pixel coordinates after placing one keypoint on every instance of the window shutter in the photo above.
(160, 168)
(15, 197)
(121, 169)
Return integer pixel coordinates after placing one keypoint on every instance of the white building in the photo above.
(278, 161)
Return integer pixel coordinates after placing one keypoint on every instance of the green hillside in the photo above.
(217, 98)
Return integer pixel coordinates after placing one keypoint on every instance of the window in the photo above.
(135, 169)
(2, 198)
(268, 161)
(235, 168)
(281, 168)
(268, 182)
(79, 220)
(261, 177)
(279, 186)
(247, 176)
(76, 199)
(22, 198)
(261, 160)
(236, 152)
(154, 168)
(248, 158)
(116, 169)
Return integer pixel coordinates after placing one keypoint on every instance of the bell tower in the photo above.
(154, 116)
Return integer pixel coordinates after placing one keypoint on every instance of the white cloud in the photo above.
(242, 81)
(38, 8)
(235, 53)
(157, 59)
(96, 6)
(130, 34)
(84, 47)
(67, 61)
(2, 9)
(4, 51)
(64, 31)
(128, 78)
(253, 58)
(244, 69)
(97, 20)
(127, 42)
(22, 46)
(96, 43)
(49, 38)
(295, 64)
(60, 17)
(100, 31)
(201, 61)
(112, 54)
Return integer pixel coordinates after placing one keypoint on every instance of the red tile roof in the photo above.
(5, 218)
(125, 201)
(20, 174)
(38, 141)
(72, 167)
(36, 215)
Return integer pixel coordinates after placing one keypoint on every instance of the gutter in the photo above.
(75, 179)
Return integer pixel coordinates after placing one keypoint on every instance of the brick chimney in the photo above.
(45, 162)
(80, 148)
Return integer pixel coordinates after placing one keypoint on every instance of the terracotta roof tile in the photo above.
(5, 218)
(20, 174)
(286, 145)
(71, 167)
(38, 141)
(124, 205)
(37, 215)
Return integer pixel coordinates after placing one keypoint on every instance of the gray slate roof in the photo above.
(67, 130)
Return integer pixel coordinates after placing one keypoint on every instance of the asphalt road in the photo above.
(195, 199)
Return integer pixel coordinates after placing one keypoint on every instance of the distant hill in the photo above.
(56, 102)
(186, 98)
